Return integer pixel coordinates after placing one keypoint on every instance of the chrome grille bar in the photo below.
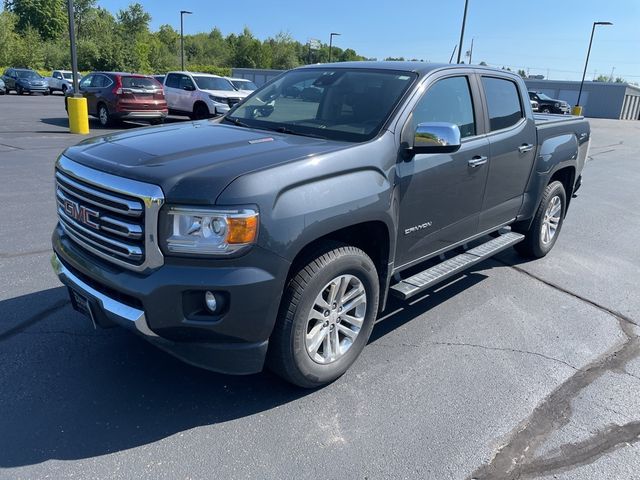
(111, 217)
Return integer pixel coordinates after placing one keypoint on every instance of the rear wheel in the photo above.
(103, 115)
(546, 110)
(326, 317)
(543, 232)
(157, 121)
(200, 112)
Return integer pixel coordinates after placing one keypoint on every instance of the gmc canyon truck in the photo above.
(274, 235)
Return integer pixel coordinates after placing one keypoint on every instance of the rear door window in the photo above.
(503, 102)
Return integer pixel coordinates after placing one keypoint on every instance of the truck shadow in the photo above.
(70, 392)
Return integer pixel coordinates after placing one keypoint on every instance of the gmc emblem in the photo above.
(82, 214)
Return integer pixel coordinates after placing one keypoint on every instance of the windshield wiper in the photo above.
(236, 122)
(294, 132)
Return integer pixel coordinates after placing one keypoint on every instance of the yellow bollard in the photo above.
(78, 115)
(577, 110)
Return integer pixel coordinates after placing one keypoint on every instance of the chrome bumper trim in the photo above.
(118, 312)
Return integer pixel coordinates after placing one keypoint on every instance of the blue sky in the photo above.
(543, 36)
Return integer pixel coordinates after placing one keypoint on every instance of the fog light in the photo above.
(210, 301)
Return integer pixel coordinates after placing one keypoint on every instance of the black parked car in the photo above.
(23, 80)
(547, 104)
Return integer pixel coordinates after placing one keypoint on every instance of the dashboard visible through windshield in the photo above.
(337, 104)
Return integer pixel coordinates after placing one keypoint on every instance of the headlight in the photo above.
(218, 99)
(557, 105)
(209, 231)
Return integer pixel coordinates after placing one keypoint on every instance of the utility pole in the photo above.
(182, 14)
(470, 52)
(464, 21)
(611, 77)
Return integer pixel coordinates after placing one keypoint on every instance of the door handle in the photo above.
(525, 147)
(477, 161)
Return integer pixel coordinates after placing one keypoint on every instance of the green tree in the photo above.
(47, 17)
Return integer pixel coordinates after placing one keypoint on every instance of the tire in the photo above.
(540, 237)
(103, 116)
(51, 91)
(64, 89)
(19, 90)
(157, 121)
(291, 352)
(546, 110)
(200, 112)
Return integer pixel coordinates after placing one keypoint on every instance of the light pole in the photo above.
(182, 14)
(577, 108)
(464, 21)
(331, 43)
(77, 104)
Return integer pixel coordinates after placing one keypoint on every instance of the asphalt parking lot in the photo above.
(527, 364)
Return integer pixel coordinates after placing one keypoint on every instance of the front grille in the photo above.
(96, 218)
(111, 217)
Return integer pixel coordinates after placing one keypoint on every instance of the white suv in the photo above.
(199, 95)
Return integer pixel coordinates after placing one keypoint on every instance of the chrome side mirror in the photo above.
(436, 137)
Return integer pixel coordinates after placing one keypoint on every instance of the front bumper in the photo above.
(154, 306)
(35, 88)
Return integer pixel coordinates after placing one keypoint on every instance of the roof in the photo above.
(187, 72)
(421, 68)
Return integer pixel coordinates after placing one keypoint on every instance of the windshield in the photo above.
(214, 83)
(338, 104)
(68, 75)
(139, 82)
(28, 74)
(244, 85)
(542, 96)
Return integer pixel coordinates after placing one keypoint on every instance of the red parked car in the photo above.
(114, 96)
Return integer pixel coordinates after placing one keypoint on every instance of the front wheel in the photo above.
(19, 90)
(200, 112)
(543, 232)
(326, 317)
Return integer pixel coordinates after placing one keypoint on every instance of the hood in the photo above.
(194, 161)
(226, 93)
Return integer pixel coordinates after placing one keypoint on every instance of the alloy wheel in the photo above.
(335, 319)
(551, 220)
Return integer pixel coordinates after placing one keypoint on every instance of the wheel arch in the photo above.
(372, 237)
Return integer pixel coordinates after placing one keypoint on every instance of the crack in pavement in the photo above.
(483, 347)
(33, 319)
(24, 254)
(516, 459)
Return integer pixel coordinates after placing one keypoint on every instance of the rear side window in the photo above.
(100, 81)
(503, 102)
(448, 100)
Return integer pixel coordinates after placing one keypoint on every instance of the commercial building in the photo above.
(598, 99)
(259, 76)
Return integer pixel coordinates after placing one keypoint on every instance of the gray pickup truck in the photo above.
(274, 235)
